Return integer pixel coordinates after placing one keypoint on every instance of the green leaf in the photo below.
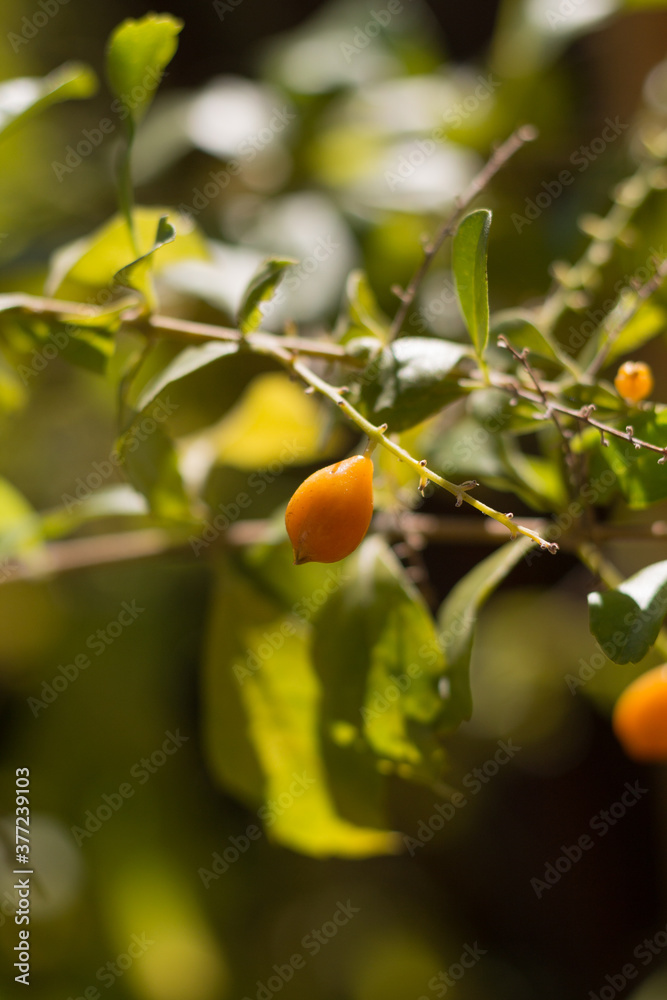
(137, 54)
(26, 96)
(521, 332)
(261, 703)
(86, 269)
(376, 651)
(137, 274)
(188, 361)
(626, 621)
(647, 323)
(457, 619)
(641, 479)
(260, 291)
(152, 466)
(410, 380)
(469, 266)
(19, 523)
(361, 314)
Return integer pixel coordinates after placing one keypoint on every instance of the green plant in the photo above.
(522, 391)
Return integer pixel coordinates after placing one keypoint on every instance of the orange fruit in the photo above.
(634, 381)
(640, 717)
(330, 512)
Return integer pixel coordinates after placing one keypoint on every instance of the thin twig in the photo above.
(527, 133)
(522, 358)
(377, 434)
(583, 414)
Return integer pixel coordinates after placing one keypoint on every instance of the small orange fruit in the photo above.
(330, 512)
(634, 381)
(640, 717)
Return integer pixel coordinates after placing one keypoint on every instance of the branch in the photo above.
(377, 434)
(583, 414)
(527, 133)
(175, 328)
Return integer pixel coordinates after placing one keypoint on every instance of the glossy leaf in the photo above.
(26, 96)
(411, 380)
(469, 265)
(626, 620)
(137, 54)
(457, 619)
(260, 291)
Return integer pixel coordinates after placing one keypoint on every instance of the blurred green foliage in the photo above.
(227, 752)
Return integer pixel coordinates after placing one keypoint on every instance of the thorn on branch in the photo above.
(663, 459)
(469, 484)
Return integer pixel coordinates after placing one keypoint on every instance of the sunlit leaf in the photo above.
(26, 96)
(640, 478)
(411, 380)
(137, 54)
(376, 650)
(85, 270)
(261, 723)
(260, 291)
(469, 265)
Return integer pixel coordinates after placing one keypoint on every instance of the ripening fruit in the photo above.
(330, 512)
(640, 717)
(634, 381)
